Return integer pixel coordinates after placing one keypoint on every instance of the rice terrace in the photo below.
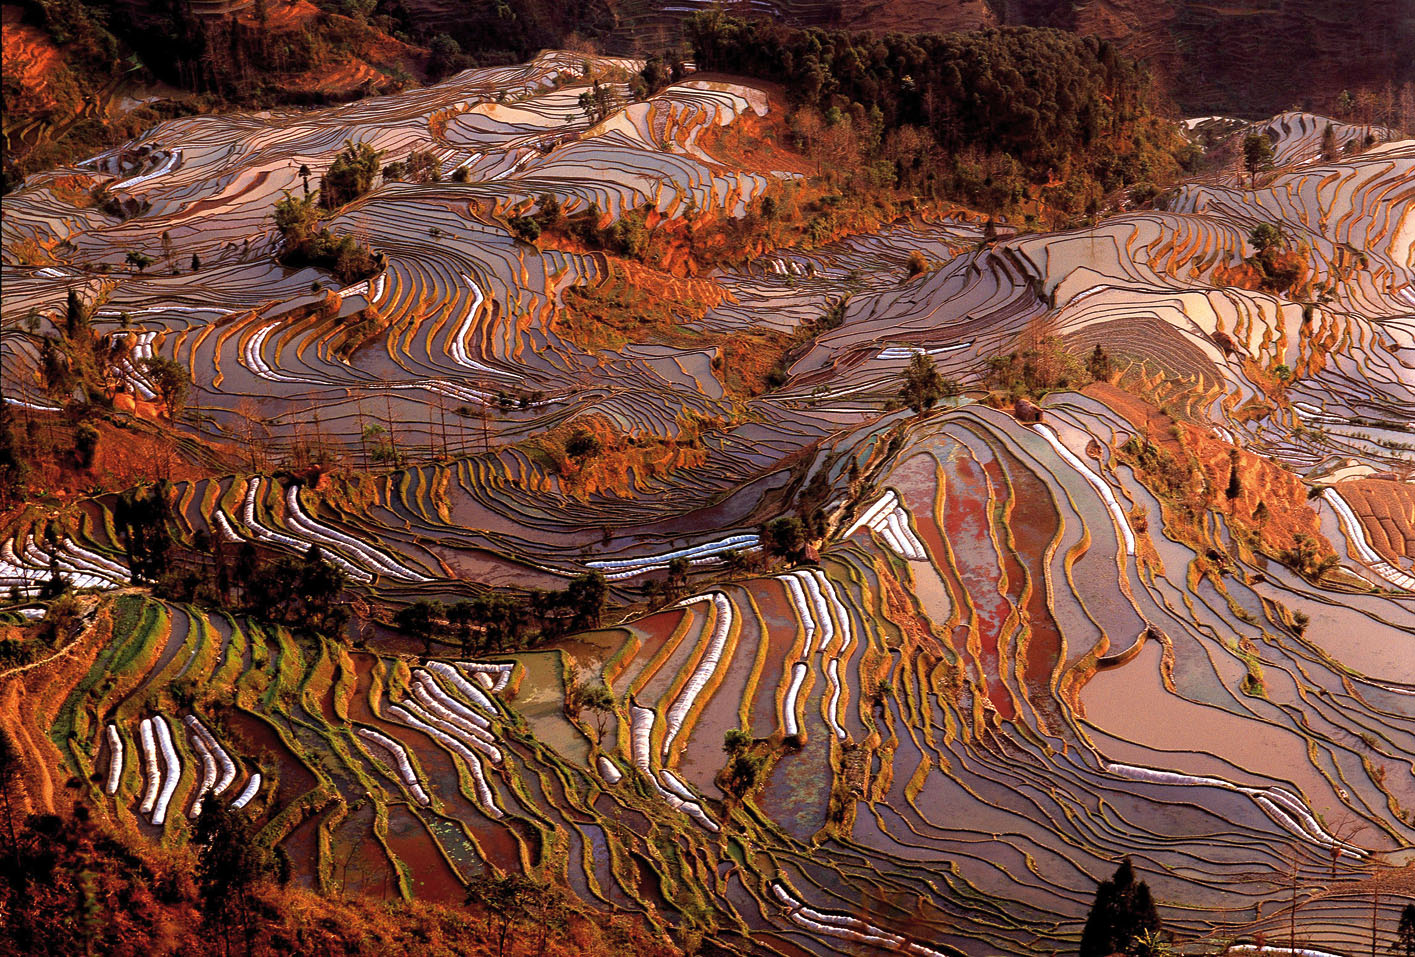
(783, 490)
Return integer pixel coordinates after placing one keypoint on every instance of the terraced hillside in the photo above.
(1166, 614)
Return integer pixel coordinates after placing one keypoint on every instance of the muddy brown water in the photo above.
(782, 627)
(797, 794)
(1131, 704)
(254, 739)
(653, 633)
(967, 524)
(1034, 523)
(432, 878)
(302, 845)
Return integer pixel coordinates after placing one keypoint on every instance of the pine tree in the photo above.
(1123, 914)
(1329, 150)
(1405, 933)
(1098, 365)
(1257, 155)
(1235, 484)
(923, 386)
(75, 317)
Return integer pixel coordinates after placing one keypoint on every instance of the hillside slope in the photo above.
(674, 509)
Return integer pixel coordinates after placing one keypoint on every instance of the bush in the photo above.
(784, 537)
(85, 444)
(923, 386)
(582, 445)
(526, 229)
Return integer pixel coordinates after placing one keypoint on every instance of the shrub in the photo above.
(85, 444)
(526, 229)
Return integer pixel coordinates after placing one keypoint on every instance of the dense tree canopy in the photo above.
(1052, 101)
(1037, 94)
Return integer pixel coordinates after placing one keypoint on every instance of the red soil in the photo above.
(31, 63)
(1206, 460)
(125, 456)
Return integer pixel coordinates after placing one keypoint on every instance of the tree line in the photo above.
(501, 621)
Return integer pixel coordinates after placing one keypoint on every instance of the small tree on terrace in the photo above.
(76, 318)
(1235, 481)
(923, 386)
(1329, 147)
(422, 166)
(508, 901)
(85, 444)
(171, 382)
(420, 620)
(1099, 364)
(1265, 238)
(297, 219)
(599, 699)
(1257, 155)
(1404, 944)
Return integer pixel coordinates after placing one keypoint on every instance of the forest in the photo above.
(998, 107)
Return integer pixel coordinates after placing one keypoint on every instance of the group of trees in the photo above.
(421, 166)
(299, 592)
(1042, 363)
(79, 367)
(143, 519)
(1123, 919)
(598, 102)
(1279, 267)
(626, 235)
(501, 621)
(350, 175)
(961, 113)
(308, 243)
(82, 371)
(659, 71)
